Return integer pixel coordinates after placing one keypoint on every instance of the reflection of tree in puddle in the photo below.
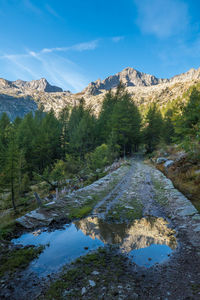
(140, 234)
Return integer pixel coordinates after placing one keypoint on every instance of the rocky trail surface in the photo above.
(134, 208)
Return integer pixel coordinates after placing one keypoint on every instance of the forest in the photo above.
(44, 147)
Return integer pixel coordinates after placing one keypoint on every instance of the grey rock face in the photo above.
(40, 85)
(16, 107)
(129, 77)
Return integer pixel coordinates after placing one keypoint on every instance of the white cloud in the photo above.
(163, 18)
(77, 47)
(30, 6)
(117, 39)
(46, 63)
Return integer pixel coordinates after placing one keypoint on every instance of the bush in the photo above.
(99, 158)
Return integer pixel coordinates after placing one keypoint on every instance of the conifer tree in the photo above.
(153, 129)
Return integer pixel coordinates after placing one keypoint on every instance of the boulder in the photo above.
(168, 163)
(161, 160)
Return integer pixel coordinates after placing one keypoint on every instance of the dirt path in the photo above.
(139, 191)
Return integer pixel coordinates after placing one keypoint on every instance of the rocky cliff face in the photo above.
(38, 85)
(144, 89)
(16, 106)
(133, 78)
(129, 77)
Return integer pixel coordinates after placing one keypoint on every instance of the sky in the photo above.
(74, 42)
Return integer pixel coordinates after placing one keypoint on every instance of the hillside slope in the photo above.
(144, 88)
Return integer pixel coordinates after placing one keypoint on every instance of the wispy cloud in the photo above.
(32, 7)
(52, 11)
(163, 18)
(47, 63)
(77, 47)
(117, 39)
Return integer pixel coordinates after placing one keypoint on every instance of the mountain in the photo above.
(133, 78)
(19, 97)
(128, 76)
(39, 85)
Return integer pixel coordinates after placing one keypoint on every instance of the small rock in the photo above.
(168, 163)
(83, 291)
(134, 296)
(95, 273)
(92, 283)
(161, 160)
(86, 248)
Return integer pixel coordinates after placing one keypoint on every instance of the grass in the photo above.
(159, 192)
(95, 196)
(78, 213)
(13, 260)
(125, 214)
(75, 276)
(185, 178)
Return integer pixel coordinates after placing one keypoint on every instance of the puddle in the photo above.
(147, 257)
(146, 241)
(63, 246)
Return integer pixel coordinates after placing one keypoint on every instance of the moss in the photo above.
(13, 260)
(159, 192)
(78, 213)
(196, 288)
(120, 213)
(111, 268)
(7, 227)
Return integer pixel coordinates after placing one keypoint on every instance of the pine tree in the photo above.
(10, 172)
(153, 129)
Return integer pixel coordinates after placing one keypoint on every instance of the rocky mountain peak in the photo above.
(128, 76)
(40, 85)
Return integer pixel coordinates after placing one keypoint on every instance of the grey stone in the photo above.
(197, 228)
(161, 160)
(35, 215)
(196, 217)
(189, 210)
(95, 273)
(83, 291)
(168, 163)
(92, 283)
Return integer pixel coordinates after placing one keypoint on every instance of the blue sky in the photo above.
(72, 43)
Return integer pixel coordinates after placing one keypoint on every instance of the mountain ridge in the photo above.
(131, 77)
(144, 89)
(40, 84)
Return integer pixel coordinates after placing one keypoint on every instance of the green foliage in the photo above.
(153, 128)
(13, 260)
(79, 213)
(99, 158)
(119, 122)
(168, 127)
(59, 171)
(187, 124)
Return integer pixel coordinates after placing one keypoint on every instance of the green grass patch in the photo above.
(120, 213)
(159, 192)
(78, 213)
(11, 261)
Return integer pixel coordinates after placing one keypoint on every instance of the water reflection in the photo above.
(140, 234)
(147, 241)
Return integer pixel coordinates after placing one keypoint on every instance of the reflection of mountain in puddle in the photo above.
(140, 234)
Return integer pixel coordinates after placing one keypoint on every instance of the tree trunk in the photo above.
(13, 194)
(39, 201)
